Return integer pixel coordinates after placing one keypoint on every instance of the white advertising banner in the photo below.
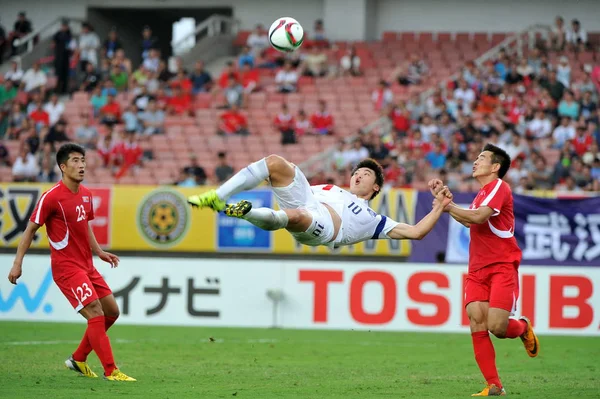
(323, 295)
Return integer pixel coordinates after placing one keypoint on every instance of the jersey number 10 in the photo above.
(356, 209)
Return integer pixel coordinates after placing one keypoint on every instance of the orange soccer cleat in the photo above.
(530, 340)
(491, 390)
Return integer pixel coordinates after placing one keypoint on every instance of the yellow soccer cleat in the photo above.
(238, 210)
(118, 375)
(491, 390)
(207, 200)
(530, 340)
(80, 367)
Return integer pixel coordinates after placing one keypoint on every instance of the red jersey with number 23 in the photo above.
(494, 240)
(66, 215)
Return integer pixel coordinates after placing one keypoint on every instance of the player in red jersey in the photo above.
(492, 285)
(65, 209)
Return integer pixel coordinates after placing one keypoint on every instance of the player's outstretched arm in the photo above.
(24, 244)
(471, 216)
(421, 229)
(102, 254)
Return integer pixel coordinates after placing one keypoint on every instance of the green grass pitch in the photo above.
(187, 362)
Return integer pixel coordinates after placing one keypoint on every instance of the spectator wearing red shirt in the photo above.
(322, 120)
(582, 141)
(183, 82)
(232, 122)
(284, 122)
(39, 116)
(400, 117)
(110, 114)
(416, 142)
(228, 71)
(249, 78)
(130, 154)
(105, 149)
(180, 103)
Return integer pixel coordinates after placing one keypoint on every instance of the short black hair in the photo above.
(499, 156)
(376, 168)
(62, 156)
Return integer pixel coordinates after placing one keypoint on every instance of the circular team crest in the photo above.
(163, 218)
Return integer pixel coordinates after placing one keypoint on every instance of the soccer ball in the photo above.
(286, 34)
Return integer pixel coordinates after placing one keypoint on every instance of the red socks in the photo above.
(85, 348)
(515, 328)
(99, 342)
(485, 355)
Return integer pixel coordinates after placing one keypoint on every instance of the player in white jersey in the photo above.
(318, 215)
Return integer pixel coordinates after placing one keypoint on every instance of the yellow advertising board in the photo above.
(151, 218)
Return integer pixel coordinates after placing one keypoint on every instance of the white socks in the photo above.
(246, 179)
(267, 218)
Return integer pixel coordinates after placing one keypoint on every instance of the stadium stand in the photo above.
(143, 125)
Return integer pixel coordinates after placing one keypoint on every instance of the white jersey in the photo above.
(359, 222)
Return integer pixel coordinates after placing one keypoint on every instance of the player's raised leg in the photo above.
(294, 220)
(275, 168)
(485, 355)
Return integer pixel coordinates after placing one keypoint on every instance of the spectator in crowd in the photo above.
(152, 119)
(129, 155)
(39, 116)
(25, 168)
(63, 48)
(564, 132)
(383, 96)
(287, 79)
(130, 119)
(558, 35)
(34, 79)
(57, 133)
(322, 121)
(350, 63)
(258, 40)
(15, 74)
(110, 113)
(4, 155)
(234, 93)
(284, 122)
(568, 106)
(563, 71)
(86, 134)
(149, 42)
(303, 125)
(412, 74)
(540, 126)
(201, 79)
(576, 37)
(194, 169)
(54, 108)
(246, 57)
(21, 28)
(90, 79)
(582, 142)
(436, 157)
(319, 36)
(554, 87)
(89, 44)
(231, 122)
(8, 92)
(315, 63)
(111, 44)
(587, 106)
(223, 171)
(47, 172)
(377, 150)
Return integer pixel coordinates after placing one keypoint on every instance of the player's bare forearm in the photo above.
(420, 230)
(460, 220)
(93, 242)
(25, 243)
(471, 216)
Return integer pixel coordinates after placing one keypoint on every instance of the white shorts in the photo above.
(298, 195)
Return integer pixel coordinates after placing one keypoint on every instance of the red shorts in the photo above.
(497, 284)
(82, 288)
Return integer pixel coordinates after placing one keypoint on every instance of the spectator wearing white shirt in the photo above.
(54, 108)
(563, 71)
(540, 126)
(357, 153)
(152, 62)
(25, 167)
(558, 35)
(89, 43)
(15, 74)
(563, 133)
(517, 172)
(576, 36)
(428, 128)
(34, 79)
(382, 97)
(350, 63)
(464, 93)
(258, 40)
(152, 119)
(516, 147)
(287, 79)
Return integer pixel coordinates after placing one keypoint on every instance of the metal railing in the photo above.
(212, 26)
(322, 162)
(46, 31)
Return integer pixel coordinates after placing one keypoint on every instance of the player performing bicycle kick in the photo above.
(318, 215)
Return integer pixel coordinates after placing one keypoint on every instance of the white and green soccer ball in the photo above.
(286, 34)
